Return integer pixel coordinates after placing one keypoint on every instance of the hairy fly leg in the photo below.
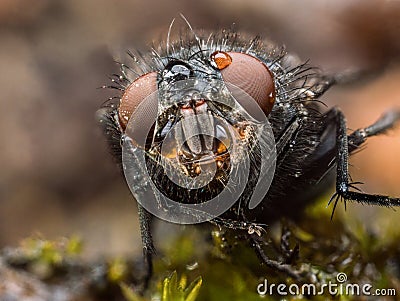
(132, 163)
(257, 244)
(116, 139)
(344, 145)
(145, 219)
(383, 124)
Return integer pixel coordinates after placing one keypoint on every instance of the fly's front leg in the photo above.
(345, 143)
(133, 169)
(145, 219)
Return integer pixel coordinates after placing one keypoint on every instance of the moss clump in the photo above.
(215, 265)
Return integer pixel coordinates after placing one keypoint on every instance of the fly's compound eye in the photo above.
(177, 70)
(250, 75)
(142, 89)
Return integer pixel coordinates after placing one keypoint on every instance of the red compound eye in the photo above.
(139, 90)
(249, 74)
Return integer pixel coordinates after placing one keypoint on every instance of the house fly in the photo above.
(230, 130)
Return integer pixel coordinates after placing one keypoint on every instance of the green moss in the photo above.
(205, 263)
(46, 257)
(231, 270)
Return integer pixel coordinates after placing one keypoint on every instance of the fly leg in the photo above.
(384, 123)
(344, 145)
(257, 243)
(255, 239)
(325, 81)
(147, 243)
(141, 190)
(116, 140)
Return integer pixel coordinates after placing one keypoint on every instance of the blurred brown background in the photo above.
(57, 177)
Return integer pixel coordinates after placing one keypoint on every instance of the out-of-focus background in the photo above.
(57, 177)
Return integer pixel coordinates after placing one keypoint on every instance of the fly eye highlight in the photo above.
(249, 74)
(139, 90)
(177, 70)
